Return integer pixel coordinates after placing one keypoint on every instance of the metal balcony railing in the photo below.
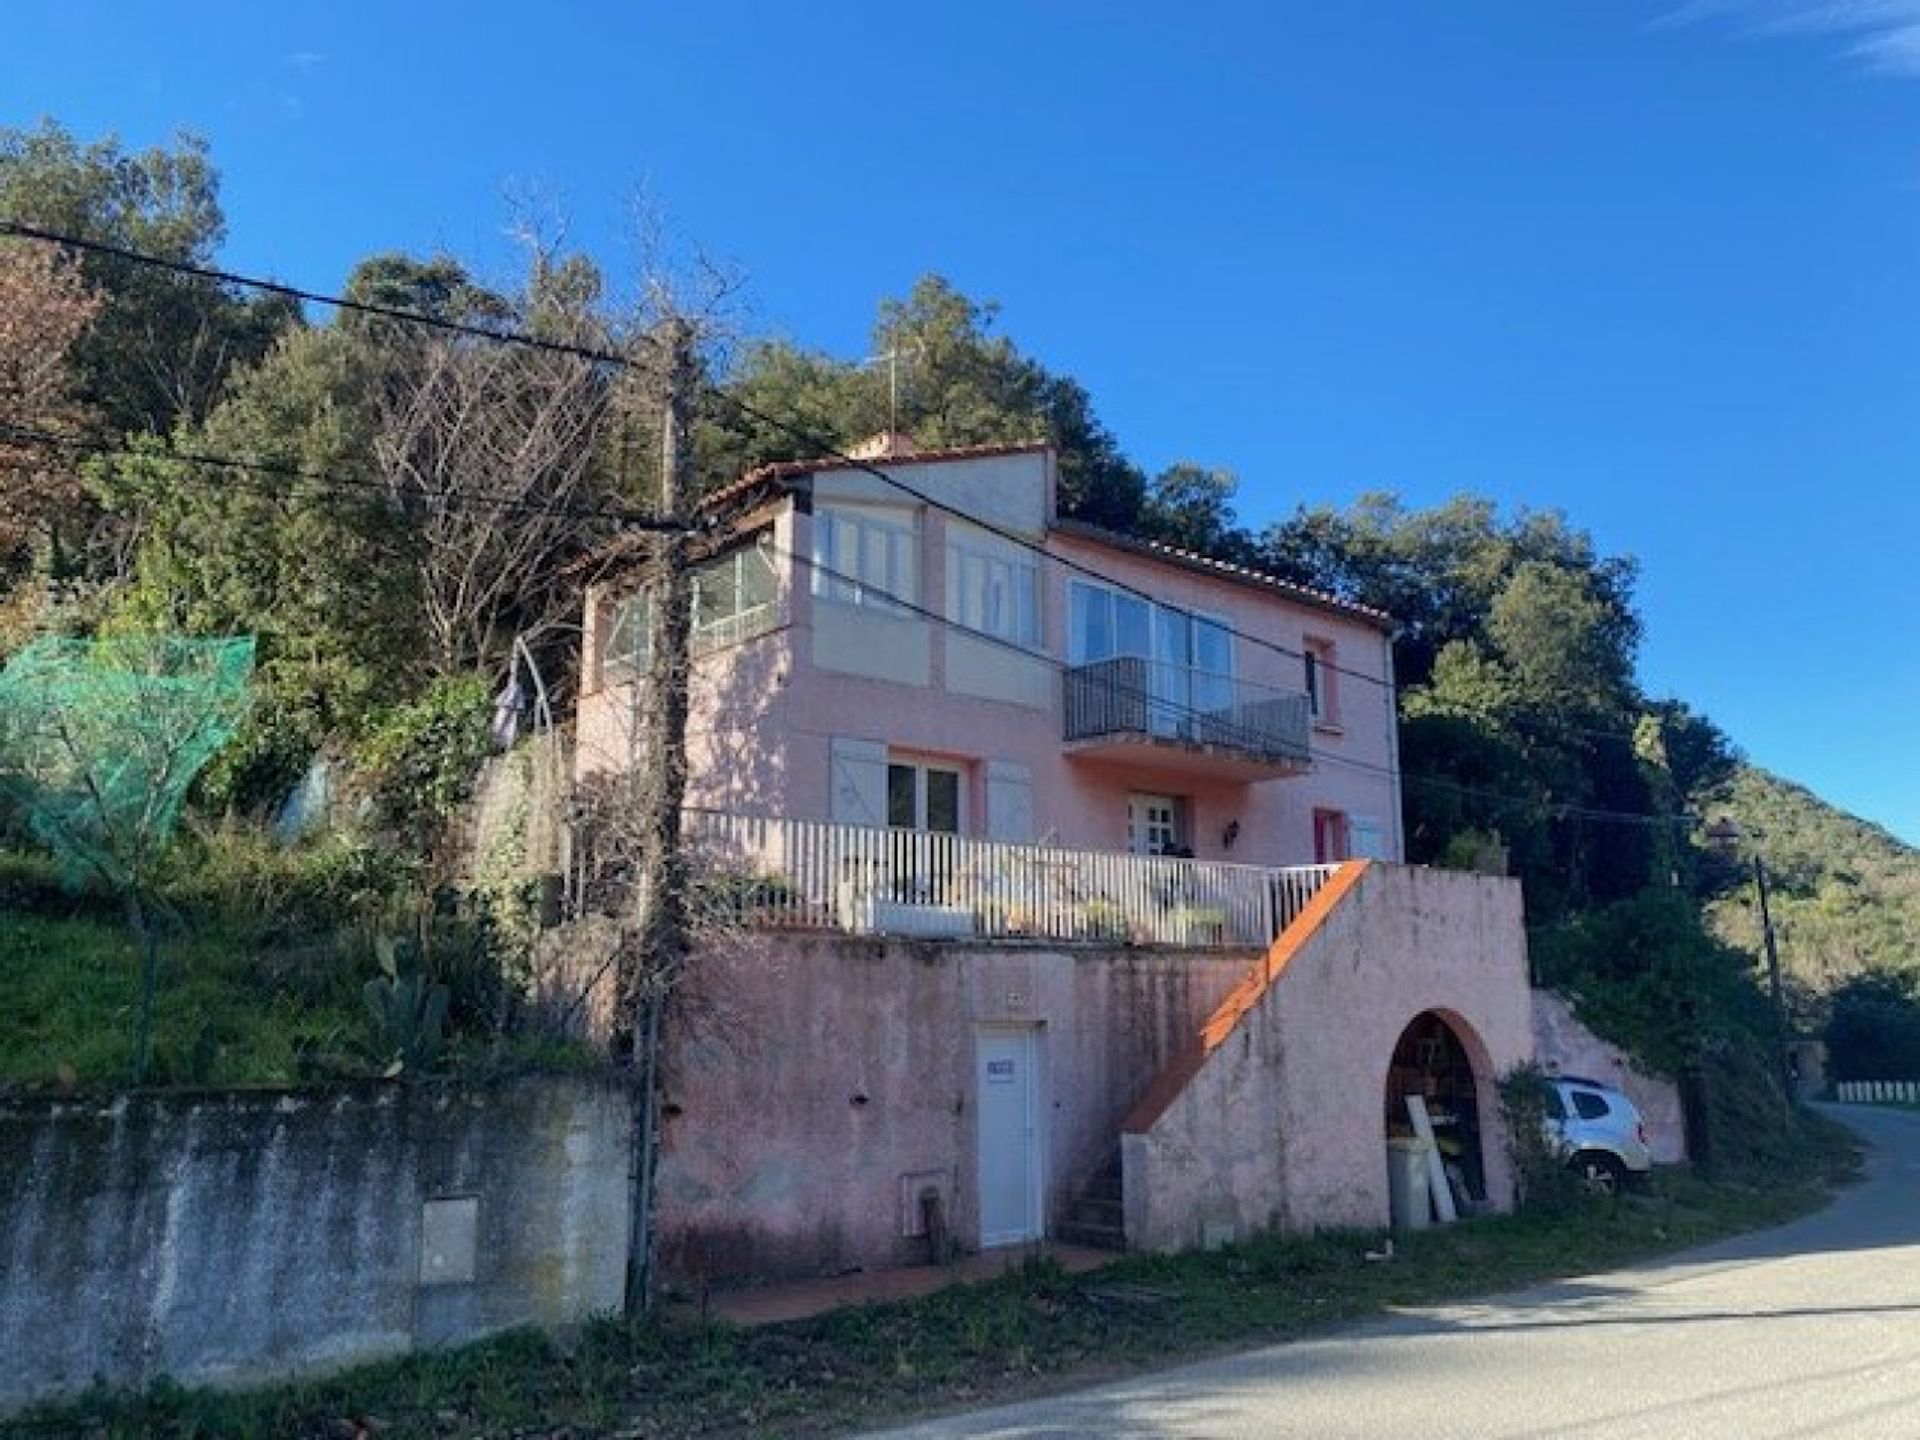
(766, 872)
(1129, 697)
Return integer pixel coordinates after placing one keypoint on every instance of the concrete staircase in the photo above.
(1096, 1219)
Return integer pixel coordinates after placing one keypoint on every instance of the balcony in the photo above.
(762, 872)
(1145, 713)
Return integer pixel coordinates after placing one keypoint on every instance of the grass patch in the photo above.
(69, 987)
(237, 1004)
(1034, 1329)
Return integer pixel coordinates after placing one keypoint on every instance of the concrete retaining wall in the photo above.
(817, 1084)
(1564, 1046)
(231, 1238)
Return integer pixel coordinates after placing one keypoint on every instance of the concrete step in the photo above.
(1097, 1210)
(1091, 1236)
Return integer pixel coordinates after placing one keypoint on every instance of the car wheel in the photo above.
(1599, 1172)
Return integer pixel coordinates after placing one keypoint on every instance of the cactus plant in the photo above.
(408, 1014)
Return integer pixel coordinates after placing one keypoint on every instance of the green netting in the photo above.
(99, 740)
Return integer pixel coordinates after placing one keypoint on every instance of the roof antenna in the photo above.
(892, 356)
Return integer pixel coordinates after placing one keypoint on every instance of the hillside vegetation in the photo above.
(1529, 743)
(1845, 892)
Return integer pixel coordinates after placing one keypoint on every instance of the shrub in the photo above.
(234, 875)
(1540, 1173)
(1873, 1028)
(1645, 974)
(418, 761)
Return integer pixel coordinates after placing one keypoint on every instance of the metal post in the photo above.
(1782, 1032)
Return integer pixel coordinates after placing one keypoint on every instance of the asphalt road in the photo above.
(1812, 1329)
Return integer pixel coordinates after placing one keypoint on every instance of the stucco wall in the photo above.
(1282, 1123)
(816, 1083)
(228, 1238)
(765, 712)
(1564, 1046)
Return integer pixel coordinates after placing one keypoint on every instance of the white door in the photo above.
(1153, 824)
(1004, 1067)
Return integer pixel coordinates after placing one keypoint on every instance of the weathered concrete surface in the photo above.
(1563, 1046)
(228, 1238)
(1282, 1122)
(815, 1084)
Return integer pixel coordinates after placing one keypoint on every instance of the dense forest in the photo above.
(180, 454)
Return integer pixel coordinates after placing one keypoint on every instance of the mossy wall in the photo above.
(229, 1237)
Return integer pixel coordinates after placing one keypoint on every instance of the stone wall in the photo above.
(229, 1238)
(1564, 1046)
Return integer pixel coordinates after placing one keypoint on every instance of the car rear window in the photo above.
(1588, 1106)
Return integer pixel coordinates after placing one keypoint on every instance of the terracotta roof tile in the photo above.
(1194, 560)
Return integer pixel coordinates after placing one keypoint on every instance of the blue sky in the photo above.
(1650, 262)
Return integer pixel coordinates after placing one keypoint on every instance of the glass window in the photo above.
(1321, 691)
(1090, 620)
(903, 807)
(943, 801)
(864, 558)
(625, 656)
(993, 593)
(923, 797)
(1212, 647)
(733, 600)
(1132, 626)
(1589, 1106)
(1556, 1108)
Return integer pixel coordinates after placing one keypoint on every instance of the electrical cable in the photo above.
(829, 452)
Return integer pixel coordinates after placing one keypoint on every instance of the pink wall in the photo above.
(1283, 1124)
(765, 713)
(814, 1081)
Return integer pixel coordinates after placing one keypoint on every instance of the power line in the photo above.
(314, 297)
(332, 482)
(1548, 809)
(828, 451)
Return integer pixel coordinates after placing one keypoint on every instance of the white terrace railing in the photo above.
(805, 874)
(1877, 1092)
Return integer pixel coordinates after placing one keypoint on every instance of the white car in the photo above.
(1600, 1131)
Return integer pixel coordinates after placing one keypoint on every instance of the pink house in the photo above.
(1069, 862)
(981, 667)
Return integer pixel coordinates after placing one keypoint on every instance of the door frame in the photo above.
(1175, 805)
(1028, 1032)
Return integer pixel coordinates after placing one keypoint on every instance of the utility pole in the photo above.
(661, 944)
(1725, 836)
(1783, 1036)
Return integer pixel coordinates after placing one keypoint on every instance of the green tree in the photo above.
(314, 569)
(1873, 1028)
(1193, 506)
(956, 382)
(164, 342)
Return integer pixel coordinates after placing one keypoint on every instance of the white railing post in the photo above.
(778, 872)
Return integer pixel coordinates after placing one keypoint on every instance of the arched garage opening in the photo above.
(1439, 1060)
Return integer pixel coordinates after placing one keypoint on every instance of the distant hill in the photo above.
(1846, 893)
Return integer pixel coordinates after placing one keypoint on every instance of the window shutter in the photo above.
(1009, 801)
(1365, 838)
(858, 787)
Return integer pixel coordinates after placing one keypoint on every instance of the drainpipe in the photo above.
(1393, 747)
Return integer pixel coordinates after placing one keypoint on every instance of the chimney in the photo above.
(887, 445)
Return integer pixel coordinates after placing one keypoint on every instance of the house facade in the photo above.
(971, 664)
(1068, 871)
